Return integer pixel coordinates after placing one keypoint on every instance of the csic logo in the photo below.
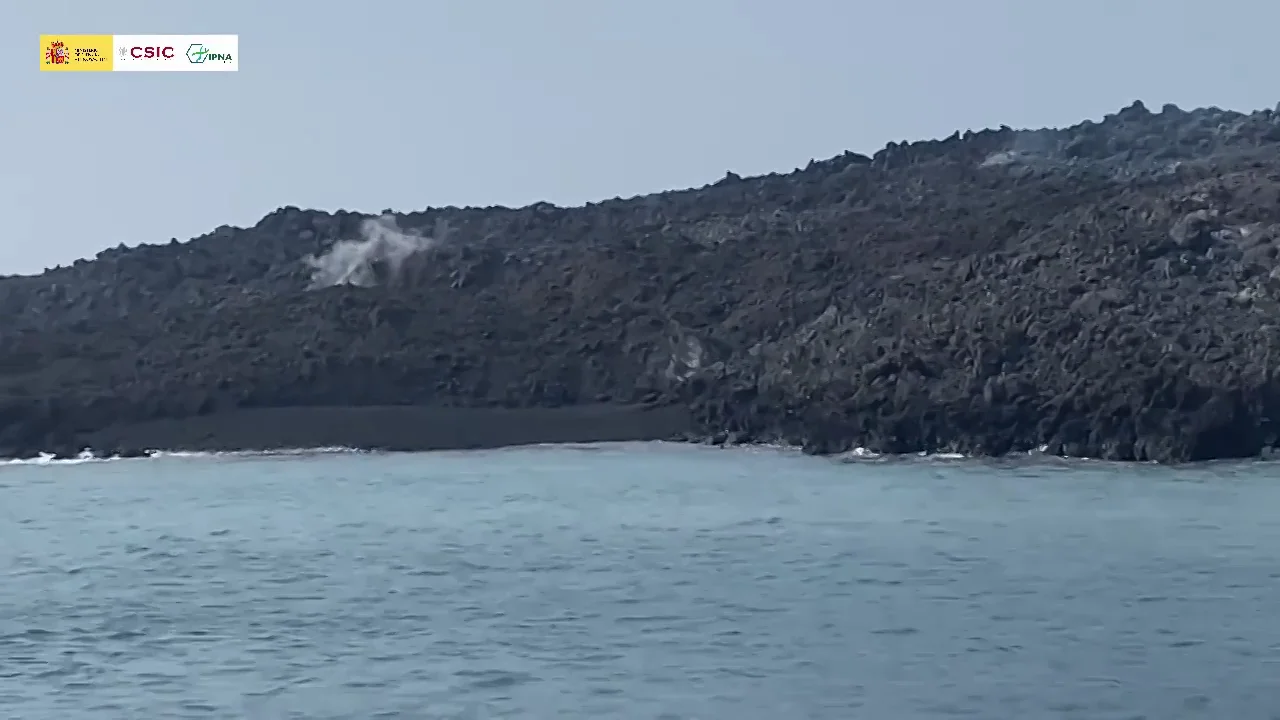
(198, 54)
(151, 52)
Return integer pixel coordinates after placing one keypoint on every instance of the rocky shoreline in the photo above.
(1109, 290)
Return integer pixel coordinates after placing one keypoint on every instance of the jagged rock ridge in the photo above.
(1109, 290)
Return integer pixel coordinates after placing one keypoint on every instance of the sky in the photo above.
(377, 104)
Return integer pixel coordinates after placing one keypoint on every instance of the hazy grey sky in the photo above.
(371, 105)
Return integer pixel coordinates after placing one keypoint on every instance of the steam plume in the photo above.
(379, 254)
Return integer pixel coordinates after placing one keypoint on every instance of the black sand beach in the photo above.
(392, 428)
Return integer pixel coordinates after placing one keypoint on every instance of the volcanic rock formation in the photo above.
(1108, 290)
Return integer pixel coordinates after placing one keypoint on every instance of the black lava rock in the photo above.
(1110, 289)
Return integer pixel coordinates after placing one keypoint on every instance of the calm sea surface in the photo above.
(637, 581)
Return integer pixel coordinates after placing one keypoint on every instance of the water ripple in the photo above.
(636, 581)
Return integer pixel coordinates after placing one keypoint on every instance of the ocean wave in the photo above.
(88, 456)
(858, 454)
(862, 454)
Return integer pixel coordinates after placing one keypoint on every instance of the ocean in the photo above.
(637, 581)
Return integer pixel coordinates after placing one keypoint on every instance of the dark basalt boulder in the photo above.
(1110, 289)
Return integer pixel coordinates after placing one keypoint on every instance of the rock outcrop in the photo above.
(1108, 290)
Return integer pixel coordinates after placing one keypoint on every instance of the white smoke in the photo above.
(382, 246)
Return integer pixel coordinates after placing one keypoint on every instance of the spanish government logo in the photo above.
(76, 53)
(57, 53)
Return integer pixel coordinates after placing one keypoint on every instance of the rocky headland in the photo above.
(1108, 290)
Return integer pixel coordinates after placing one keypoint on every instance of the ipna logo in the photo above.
(198, 53)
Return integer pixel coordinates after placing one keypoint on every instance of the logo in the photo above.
(178, 53)
(57, 53)
(198, 54)
(76, 53)
(149, 52)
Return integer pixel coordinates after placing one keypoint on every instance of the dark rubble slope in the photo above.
(1108, 290)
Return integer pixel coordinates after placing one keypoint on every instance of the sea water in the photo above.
(637, 581)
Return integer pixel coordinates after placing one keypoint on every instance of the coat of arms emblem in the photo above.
(57, 53)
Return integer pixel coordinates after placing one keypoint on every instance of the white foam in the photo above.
(49, 459)
(87, 456)
(859, 453)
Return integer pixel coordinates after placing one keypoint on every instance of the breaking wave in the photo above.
(88, 456)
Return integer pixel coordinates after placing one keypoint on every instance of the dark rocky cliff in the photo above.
(1110, 290)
